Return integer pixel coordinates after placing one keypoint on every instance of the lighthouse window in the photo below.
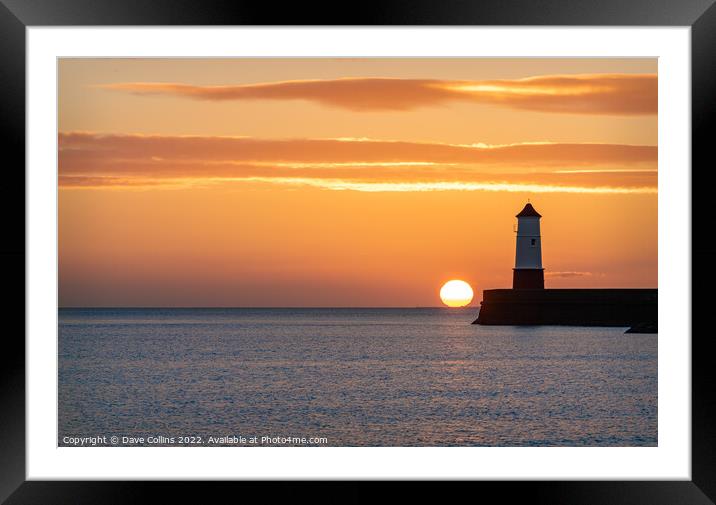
(533, 242)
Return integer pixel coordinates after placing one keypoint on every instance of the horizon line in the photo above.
(269, 307)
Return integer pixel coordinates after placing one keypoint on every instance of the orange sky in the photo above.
(324, 182)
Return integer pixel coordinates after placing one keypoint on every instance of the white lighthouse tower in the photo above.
(528, 272)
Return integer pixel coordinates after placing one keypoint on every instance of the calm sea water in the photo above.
(350, 377)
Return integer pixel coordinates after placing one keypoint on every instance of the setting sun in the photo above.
(456, 293)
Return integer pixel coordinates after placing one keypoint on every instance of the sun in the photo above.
(456, 293)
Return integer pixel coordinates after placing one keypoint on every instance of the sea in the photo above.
(348, 377)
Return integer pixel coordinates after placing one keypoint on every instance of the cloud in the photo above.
(567, 275)
(612, 94)
(96, 148)
(90, 160)
(80, 182)
(103, 181)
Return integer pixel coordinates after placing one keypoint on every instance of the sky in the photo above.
(349, 182)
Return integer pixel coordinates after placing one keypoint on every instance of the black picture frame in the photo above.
(17, 15)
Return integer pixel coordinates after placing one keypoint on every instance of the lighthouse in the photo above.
(528, 272)
(529, 303)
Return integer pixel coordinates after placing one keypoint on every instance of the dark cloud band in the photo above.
(611, 94)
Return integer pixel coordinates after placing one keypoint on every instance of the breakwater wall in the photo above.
(572, 307)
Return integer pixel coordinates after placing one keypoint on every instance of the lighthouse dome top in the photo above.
(529, 211)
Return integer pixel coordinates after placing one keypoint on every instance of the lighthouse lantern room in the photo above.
(528, 272)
